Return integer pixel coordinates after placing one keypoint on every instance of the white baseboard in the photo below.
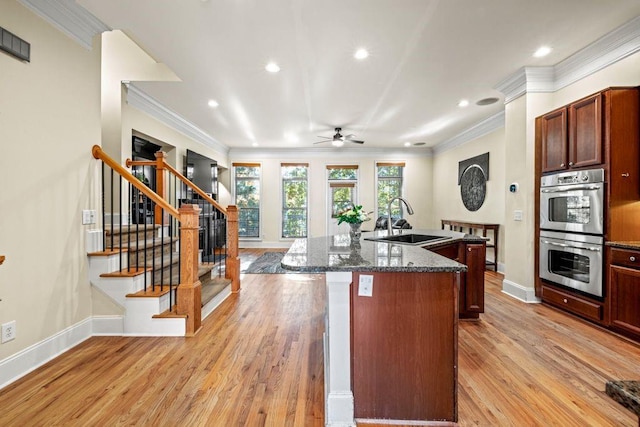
(108, 326)
(215, 302)
(20, 364)
(264, 245)
(520, 292)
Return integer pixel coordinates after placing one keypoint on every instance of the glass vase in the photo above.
(354, 231)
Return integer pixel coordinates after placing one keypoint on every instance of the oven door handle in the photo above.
(564, 245)
(564, 190)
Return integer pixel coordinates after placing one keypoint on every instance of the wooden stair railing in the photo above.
(232, 260)
(188, 291)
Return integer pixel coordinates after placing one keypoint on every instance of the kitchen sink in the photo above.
(409, 239)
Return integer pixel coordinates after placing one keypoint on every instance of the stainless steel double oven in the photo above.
(572, 230)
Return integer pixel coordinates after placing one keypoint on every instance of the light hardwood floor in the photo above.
(258, 361)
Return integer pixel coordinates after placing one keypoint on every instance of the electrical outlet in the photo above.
(365, 285)
(8, 331)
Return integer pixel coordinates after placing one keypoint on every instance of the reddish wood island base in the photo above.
(404, 348)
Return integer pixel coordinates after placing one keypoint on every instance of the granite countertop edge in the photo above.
(626, 393)
(624, 245)
(313, 255)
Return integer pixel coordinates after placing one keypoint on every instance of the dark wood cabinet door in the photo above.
(554, 141)
(585, 132)
(625, 300)
(474, 292)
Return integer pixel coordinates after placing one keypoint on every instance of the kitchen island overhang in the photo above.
(390, 350)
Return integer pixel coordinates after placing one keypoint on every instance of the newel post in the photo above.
(189, 291)
(232, 262)
(160, 184)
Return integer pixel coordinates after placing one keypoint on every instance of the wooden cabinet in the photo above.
(572, 136)
(404, 347)
(624, 285)
(554, 140)
(585, 132)
(474, 286)
(569, 301)
(471, 296)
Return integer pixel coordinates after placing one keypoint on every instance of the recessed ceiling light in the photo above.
(542, 51)
(272, 67)
(213, 103)
(361, 54)
(487, 101)
(407, 144)
(463, 103)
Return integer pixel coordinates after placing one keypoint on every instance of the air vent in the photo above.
(487, 101)
(14, 45)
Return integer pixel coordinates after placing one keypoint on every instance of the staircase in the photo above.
(154, 270)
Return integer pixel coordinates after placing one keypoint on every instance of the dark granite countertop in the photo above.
(338, 253)
(624, 245)
(627, 393)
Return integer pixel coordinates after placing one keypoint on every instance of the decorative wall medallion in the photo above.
(473, 187)
(473, 174)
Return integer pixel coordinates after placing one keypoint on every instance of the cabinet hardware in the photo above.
(632, 258)
(561, 165)
(564, 300)
(570, 163)
(625, 175)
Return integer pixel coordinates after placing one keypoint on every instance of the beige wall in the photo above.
(417, 189)
(447, 203)
(49, 119)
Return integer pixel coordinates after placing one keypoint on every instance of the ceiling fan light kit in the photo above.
(338, 139)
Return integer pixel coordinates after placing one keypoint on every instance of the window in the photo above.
(247, 192)
(389, 186)
(294, 199)
(342, 185)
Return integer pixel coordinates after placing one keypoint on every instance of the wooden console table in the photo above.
(461, 225)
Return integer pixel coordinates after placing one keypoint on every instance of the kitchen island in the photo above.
(390, 326)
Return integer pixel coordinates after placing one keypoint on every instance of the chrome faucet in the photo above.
(409, 211)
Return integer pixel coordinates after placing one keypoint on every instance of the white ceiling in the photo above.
(425, 56)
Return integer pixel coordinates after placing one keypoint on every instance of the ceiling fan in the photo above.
(338, 140)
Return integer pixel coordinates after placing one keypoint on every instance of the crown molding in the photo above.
(482, 128)
(143, 102)
(607, 50)
(70, 18)
(299, 153)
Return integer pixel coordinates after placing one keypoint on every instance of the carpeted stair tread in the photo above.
(132, 228)
(148, 244)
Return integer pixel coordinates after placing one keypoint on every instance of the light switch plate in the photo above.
(365, 285)
(517, 215)
(88, 216)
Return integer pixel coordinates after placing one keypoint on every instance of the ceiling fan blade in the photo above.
(325, 137)
(355, 141)
(349, 136)
(320, 142)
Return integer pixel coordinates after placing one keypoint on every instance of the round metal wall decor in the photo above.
(473, 187)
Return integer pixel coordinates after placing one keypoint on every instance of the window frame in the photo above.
(283, 208)
(378, 165)
(236, 165)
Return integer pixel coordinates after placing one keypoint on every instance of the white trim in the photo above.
(216, 301)
(607, 50)
(302, 152)
(20, 364)
(137, 98)
(107, 326)
(519, 292)
(263, 244)
(70, 18)
(485, 127)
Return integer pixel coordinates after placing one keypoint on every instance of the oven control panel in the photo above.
(573, 177)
